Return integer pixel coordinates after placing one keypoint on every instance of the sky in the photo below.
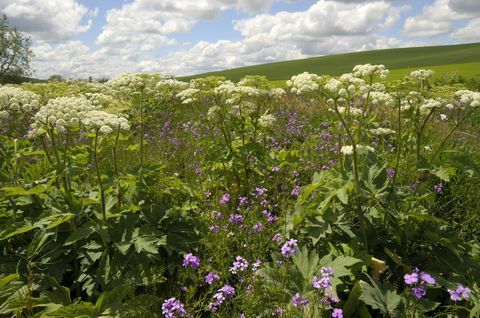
(105, 38)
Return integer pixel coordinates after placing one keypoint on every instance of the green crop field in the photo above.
(464, 58)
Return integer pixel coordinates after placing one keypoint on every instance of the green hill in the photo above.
(403, 58)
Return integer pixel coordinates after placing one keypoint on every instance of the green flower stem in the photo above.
(99, 176)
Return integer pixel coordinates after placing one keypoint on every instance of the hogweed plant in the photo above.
(331, 198)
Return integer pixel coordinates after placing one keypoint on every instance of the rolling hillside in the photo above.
(448, 57)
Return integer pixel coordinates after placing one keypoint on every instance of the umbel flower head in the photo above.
(61, 113)
(16, 100)
(422, 74)
(304, 83)
(367, 70)
(126, 85)
(104, 122)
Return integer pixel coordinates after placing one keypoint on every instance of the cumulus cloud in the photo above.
(470, 32)
(47, 20)
(437, 18)
(133, 34)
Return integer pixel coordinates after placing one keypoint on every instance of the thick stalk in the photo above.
(115, 163)
(99, 176)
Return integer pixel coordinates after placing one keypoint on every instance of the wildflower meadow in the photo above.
(147, 196)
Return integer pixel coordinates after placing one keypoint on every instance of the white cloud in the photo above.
(133, 34)
(471, 32)
(47, 20)
(437, 18)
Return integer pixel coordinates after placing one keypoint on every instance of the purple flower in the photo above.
(324, 281)
(411, 279)
(214, 228)
(242, 201)
(277, 238)
(276, 168)
(264, 202)
(337, 313)
(236, 218)
(299, 301)
(391, 172)
(210, 277)
(260, 191)
(257, 228)
(414, 186)
(459, 293)
(228, 291)
(419, 291)
(295, 191)
(225, 199)
(172, 308)
(190, 260)
(438, 188)
(289, 248)
(240, 264)
(224, 293)
(427, 278)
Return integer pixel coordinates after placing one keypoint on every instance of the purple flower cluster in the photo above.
(289, 248)
(390, 173)
(324, 281)
(277, 238)
(257, 228)
(224, 293)
(460, 293)
(418, 280)
(210, 277)
(278, 311)
(438, 188)
(337, 313)
(260, 191)
(240, 264)
(236, 218)
(172, 308)
(299, 301)
(190, 260)
(225, 199)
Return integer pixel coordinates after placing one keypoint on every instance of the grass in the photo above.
(462, 56)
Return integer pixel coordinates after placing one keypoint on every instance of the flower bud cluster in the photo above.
(422, 74)
(304, 83)
(469, 98)
(126, 84)
(16, 100)
(104, 122)
(60, 113)
(367, 70)
(267, 121)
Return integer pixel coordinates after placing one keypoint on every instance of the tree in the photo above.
(15, 51)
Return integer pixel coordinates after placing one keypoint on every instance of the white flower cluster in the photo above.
(170, 86)
(346, 85)
(267, 121)
(100, 100)
(126, 84)
(276, 93)
(189, 95)
(354, 111)
(304, 83)
(380, 98)
(367, 70)
(60, 113)
(428, 105)
(422, 74)
(361, 150)
(104, 122)
(17, 100)
(382, 131)
(469, 98)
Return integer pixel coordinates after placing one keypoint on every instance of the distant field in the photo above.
(464, 58)
(466, 70)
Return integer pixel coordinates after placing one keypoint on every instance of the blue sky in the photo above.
(81, 38)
